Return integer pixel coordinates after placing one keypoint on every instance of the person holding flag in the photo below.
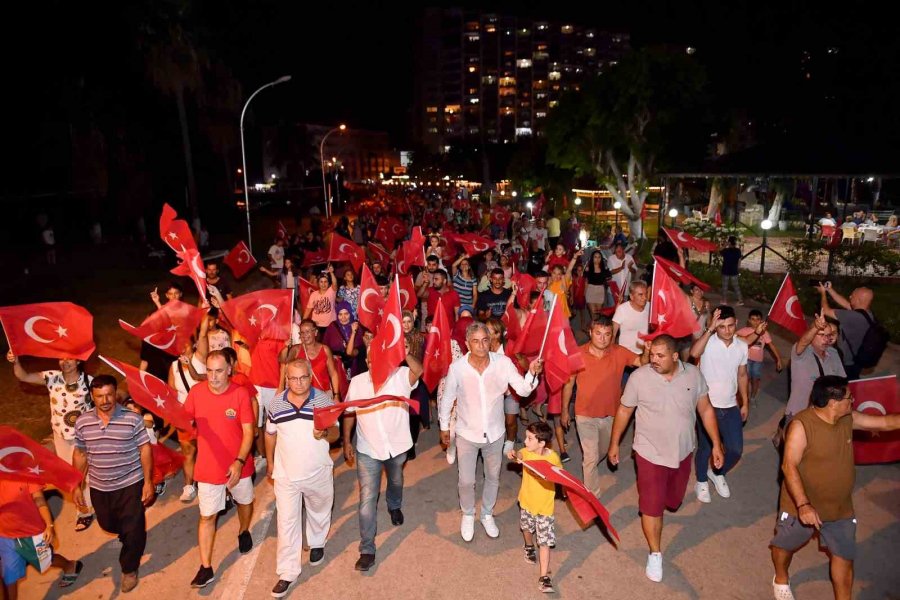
(477, 383)
(667, 395)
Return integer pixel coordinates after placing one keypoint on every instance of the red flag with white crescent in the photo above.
(169, 328)
(529, 342)
(670, 309)
(260, 315)
(371, 302)
(408, 298)
(380, 254)
(175, 232)
(500, 215)
(23, 459)
(510, 319)
(876, 396)
(281, 231)
(305, 289)
(562, 357)
(342, 249)
(411, 252)
(679, 273)
(388, 347)
(326, 416)
(49, 330)
(474, 244)
(683, 240)
(437, 349)
(239, 260)
(786, 310)
(153, 394)
(389, 230)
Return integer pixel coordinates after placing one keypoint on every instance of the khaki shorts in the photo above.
(211, 496)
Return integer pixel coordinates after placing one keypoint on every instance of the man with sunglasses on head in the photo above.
(813, 356)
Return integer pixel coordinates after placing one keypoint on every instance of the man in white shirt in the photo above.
(478, 382)
(632, 318)
(382, 440)
(276, 254)
(622, 266)
(538, 236)
(301, 468)
(723, 363)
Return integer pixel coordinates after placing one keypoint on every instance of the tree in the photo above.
(639, 114)
(784, 189)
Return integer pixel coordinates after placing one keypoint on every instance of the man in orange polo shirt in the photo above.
(599, 388)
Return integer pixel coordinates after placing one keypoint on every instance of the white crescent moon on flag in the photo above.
(789, 304)
(563, 473)
(270, 307)
(12, 450)
(362, 299)
(142, 375)
(198, 270)
(29, 329)
(397, 330)
(348, 251)
(873, 405)
(404, 297)
(480, 246)
(561, 340)
(435, 330)
(401, 266)
(676, 272)
(681, 237)
(243, 252)
(163, 347)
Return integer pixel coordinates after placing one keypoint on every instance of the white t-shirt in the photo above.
(276, 254)
(719, 364)
(199, 366)
(623, 277)
(631, 322)
(539, 236)
(382, 430)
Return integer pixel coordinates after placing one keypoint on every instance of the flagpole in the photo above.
(547, 329)
(778, 293)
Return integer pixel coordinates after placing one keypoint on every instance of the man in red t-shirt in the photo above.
(442, 291)
(599, 392)
(223, 416)
(27, 535)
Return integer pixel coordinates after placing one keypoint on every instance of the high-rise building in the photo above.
(486, 77)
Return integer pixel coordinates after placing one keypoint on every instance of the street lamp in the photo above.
(284, 79)
(617, 205)
(530, 208)
(673, 212)
(340, 127)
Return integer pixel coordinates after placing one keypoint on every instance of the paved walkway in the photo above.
(710, 551)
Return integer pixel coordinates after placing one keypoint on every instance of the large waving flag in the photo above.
(786, 310)
(342, 249)
(326, 416)
(529, 341)
(371, 302)
(670, 309)
(177, 234)
(261, 315)
(49, 330)
(679, 273)
(408, 299)
(389, 230)
(239, 260)
(153, 394)
(23, 459)
(437, 349)
(686, 240)
(562, 357)
(380, 254)
(411, 252)
(388, 347)
(877, 396)
(169, 328)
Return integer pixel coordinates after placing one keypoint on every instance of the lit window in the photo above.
(590, 34)
(490, 28)
(590, 51)
(523, 63)
(524, 31)
(488, 80)
(507, 81)
(472, 37)
(520, 131)
(566, 29)
(540, 114)
(554, 75)
(542, 26)
(553, 103)
(473, 100)
(451, 108)
(431, 109)
(472, 69)
(432, 130)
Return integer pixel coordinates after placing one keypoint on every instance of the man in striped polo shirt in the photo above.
(300, 466)
(113, 449)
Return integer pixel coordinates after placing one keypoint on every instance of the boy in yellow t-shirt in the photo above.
(536, 497)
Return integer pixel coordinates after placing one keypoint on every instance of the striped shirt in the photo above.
(113, 450)
(298, 455)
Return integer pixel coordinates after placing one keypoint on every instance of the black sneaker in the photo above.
(530, 555)
(545, 585)
(281, 588)
(204, 577)
(160, 488)
(364, 562)
(316, 556)
(564, 457)
(396, 517)
(245, 542)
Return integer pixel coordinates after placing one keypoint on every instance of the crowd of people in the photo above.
(253, 406)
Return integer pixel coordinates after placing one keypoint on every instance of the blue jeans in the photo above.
(731, 433)
(368, 470)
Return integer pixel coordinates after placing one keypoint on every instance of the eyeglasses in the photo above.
(297, 379)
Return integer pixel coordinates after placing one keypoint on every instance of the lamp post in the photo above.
(283, 79)
(766, 225)
(673, 212)
(530, 208)
(617, 205)
(340, 127)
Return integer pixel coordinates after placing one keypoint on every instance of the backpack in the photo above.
(873, 344)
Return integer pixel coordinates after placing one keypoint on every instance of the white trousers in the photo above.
(317, 496)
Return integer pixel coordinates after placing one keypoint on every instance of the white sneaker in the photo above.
(720, 484)
(259, 463)
(782, 590)
(507, 446)
(467, 527)
(654, 567)
(490, 526)
(188, 493)
(702, 491)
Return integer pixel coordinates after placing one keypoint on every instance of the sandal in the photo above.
(70, 578)
(84, 522)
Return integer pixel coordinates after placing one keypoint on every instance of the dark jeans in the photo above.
(368, 470)
(122, 512)
(732, 435)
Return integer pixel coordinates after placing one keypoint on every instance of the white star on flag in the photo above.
(36, 469)
(173, 235)
(661, 318)
(172, 328)
(253, 320)
(62, 331)
(159, 402)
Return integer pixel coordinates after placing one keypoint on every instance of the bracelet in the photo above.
(243, 461)
(799, 506)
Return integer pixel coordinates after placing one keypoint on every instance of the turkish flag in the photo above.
(538, 206)
(561, 355)
(153, 394)
(679, 273)
(175, 232)
(239, 260)
(670, 309)
(388, 347)
(529, 342)
(500, 215)
(314, 257)
(49, 330)
(342, 249)
(525, 284)
(23, 459)
(474, 244)
(261, 315)
(786, 310)
(371, 302)
(166, 462)
(686, 240)
(192, 266)
(281, 231)
(585, 504)
(380, 254)
(437, 349)
(305, 288)
(389, 230)
(408, 297)
(876, 396)
(411, 252)
(169, 328)
(325, 417)
(510, 319)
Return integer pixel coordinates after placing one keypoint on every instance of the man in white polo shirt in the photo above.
(382, 440)
(298, 462)
(723, 363)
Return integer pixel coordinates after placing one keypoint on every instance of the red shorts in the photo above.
(661, 487)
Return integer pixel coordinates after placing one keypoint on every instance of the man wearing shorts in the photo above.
(668, 394)
(817, 491)
(223, 416)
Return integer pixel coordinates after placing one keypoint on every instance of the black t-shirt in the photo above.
(597, 278)
(496, 303)
(731, 260)
(158, 361)
(220, 285)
